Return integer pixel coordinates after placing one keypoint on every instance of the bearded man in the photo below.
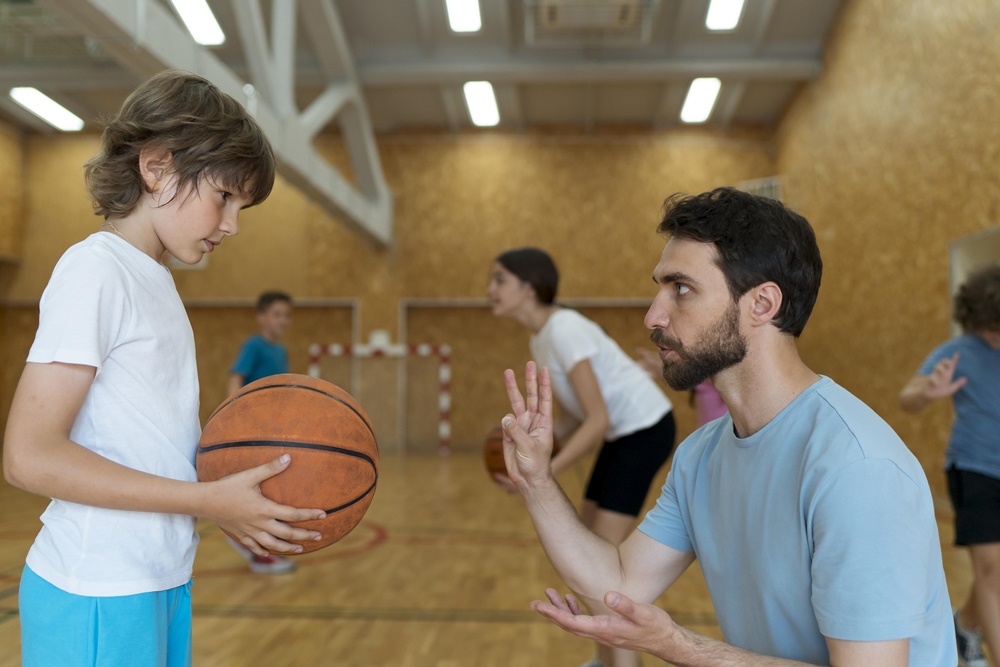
(813, 524)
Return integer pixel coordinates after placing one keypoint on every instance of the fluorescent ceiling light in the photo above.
(200, 21)
(724, 14)
(482, 103)
(463, 15)
(700, 100)
(47, 109)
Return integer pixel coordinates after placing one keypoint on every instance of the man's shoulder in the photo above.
(848, 429)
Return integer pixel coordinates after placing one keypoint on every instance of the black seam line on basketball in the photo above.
(304, 445)
(282, 443)
(356, 500)
(296, 386)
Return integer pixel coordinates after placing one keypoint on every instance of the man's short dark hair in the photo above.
(265, 300)
(758, 240)
(977, 303)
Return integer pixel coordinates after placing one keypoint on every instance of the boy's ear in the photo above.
(154, 166)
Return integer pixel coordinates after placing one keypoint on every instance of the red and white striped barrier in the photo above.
(397, 351)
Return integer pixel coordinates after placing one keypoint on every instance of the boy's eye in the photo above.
(682, 289)
(225, 195)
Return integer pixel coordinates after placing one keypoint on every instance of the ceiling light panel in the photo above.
(200, 21)
(482, 103)
(724, 14)
(463, 15)
(700, 100)
(47, 109)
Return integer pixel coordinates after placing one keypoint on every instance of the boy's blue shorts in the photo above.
(144, 630)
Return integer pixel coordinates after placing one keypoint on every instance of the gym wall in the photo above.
(892, 153)
(459, 200)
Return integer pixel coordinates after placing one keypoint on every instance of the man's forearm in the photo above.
(589, 564)
(689, 649)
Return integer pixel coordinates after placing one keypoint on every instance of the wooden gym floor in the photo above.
(438, 574)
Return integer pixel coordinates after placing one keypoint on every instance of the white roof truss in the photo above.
(125, 30)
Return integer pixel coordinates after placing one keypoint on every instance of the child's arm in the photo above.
(38, 456)
(590, 433)
(921, 390)
(235, 383)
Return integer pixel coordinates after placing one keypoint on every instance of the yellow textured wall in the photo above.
(892, 154)
(459, 201)
(11, 193)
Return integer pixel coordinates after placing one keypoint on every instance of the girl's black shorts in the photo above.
(625, 468)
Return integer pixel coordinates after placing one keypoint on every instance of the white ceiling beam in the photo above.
(271, 61)
(317, 35)
(322, 17)
(145, 38)
(253, 34)
(283, 51)
(325, 107)
(353, 116)
(517, 70)
(513, 70)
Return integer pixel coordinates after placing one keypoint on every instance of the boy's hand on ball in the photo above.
(528, 431)
(259, 523)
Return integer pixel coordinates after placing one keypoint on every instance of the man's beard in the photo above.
(725, 346)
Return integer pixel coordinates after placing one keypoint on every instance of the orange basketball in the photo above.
(327, 433)
(493, 451)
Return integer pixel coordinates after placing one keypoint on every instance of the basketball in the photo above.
(493, 452)
(334, 453)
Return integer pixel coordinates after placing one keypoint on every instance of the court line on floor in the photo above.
(277, 612)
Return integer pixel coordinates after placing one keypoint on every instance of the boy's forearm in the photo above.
(234, 384)
(68, 471)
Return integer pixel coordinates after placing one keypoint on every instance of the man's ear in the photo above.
(154, 166)
(765, 302)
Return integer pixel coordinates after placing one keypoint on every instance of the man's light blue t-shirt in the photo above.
(259, 358)
(819, 525)
(974, 444)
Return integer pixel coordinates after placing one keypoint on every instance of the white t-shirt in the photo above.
(110, 306)
(633, 400)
